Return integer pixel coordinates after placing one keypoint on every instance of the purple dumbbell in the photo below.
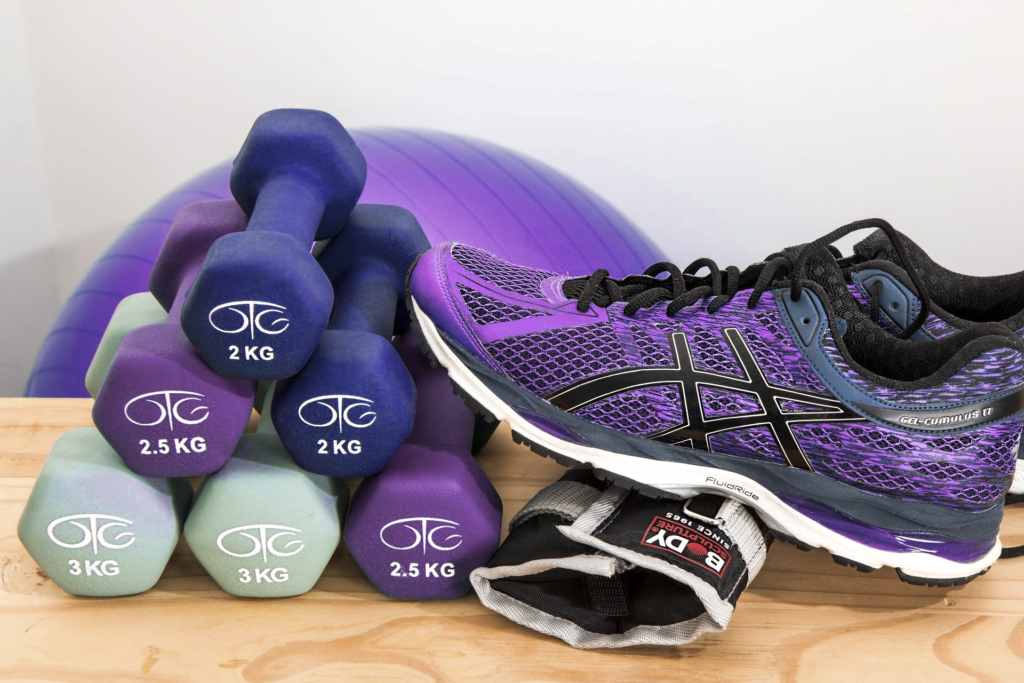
(161, 407)
(353, 404)
(431, 516)
(261, 301)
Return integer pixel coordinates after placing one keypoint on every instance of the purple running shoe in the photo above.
(876, 277)
(769, 385)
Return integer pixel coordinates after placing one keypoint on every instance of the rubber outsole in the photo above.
(903, 576)
(620, 480)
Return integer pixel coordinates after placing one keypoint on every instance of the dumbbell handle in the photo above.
(189, 274)
(286, 204)
(266, 423)
(196, 227)
(442, 419)
(365, 300)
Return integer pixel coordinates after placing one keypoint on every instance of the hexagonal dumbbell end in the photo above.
(164, 411)
(134, 311)
(353, 403)
(299, 172)
(262, 527)
(94, 526)
(347, 413)
(259, 305)
(160, 406)
(430, 517)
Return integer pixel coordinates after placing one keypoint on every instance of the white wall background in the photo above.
(724, 129)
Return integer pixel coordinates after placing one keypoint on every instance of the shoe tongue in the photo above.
(823, 269)
(791, 252)
(573, 287)
(876, 246)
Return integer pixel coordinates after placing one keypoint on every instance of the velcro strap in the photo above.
(607, 595)
(602, 566)
(567, 499)
(717, 546)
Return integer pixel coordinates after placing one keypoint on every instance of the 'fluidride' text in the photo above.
(721, 483)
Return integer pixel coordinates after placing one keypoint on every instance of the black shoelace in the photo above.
(643, 291)
(683, 288)
(875, 303)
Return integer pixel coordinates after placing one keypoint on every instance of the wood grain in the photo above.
(803, 619)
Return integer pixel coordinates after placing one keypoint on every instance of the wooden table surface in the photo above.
(803, 619)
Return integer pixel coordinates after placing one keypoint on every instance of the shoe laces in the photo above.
(683, 288)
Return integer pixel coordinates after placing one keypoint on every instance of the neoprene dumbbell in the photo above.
(430, 517)
(94, 526)
(261, 301)
(134, 311)
(163, 409)
(353, 404)
(263, 527)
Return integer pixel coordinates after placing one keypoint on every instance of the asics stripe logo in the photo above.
(695, 431)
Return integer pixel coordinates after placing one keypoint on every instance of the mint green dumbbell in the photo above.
(94, 526)
(261, 526)
(135, 310)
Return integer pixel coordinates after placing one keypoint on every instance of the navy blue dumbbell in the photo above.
(260, 301)
(353, 404)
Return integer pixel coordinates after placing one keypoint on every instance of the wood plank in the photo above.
(803, 619)
(29, 427)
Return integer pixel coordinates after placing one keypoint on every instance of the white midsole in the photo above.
(688, 480)
(1017, 487)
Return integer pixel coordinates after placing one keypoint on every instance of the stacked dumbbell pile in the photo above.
(240, 313)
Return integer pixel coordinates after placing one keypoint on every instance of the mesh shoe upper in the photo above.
(737, 381)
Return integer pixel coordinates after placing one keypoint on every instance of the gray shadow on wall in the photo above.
(72, 258)
(36, 287)
(28, 307)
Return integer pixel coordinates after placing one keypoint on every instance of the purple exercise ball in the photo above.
(458, 188)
